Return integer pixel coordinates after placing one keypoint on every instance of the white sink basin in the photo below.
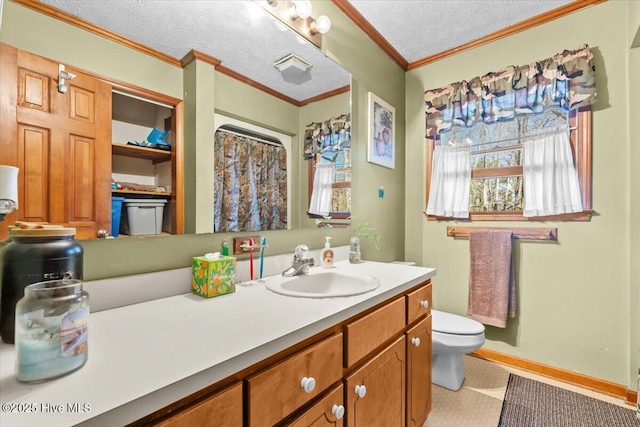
(319, 283)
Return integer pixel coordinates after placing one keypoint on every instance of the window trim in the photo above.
(581, 141)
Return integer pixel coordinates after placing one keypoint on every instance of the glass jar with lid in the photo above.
(51, 330)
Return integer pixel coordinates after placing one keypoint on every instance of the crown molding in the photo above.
(193, 54)
(325, 95)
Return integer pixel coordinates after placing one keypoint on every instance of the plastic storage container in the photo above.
(116, 208)
(144, 216)
(35, 255)
(51, 330)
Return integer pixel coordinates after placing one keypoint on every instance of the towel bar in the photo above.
(529, 233)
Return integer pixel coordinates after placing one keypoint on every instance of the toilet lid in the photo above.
(453, 324)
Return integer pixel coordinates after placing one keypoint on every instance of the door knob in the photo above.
(361, 391)
(102, 234)
(415, 341)
(424, 304)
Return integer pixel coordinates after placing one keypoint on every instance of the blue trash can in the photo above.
(116, 208)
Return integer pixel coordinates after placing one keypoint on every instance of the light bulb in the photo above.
(321, 25)
(301, 9)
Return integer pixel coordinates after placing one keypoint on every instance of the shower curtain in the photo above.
(250, 184)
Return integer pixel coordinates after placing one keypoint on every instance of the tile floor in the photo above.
(479, 402)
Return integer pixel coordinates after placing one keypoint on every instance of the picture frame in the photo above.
(381, 136)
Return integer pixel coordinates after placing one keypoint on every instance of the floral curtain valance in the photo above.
(566, 80)
(331, 135)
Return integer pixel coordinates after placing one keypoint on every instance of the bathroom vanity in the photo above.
(252, 358)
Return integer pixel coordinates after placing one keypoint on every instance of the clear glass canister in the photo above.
(51, 330)
(354, 250)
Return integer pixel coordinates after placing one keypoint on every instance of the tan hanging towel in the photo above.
(492, 292)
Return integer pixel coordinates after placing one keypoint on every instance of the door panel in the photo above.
(82, 169)
(33, 90)
(383, 376)
(33, 182)
(419, 373)
(81, 104)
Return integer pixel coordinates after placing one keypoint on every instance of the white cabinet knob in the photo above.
(308, 384)
(415, 341)
(338, 411)
(424, 304)
(361, 391)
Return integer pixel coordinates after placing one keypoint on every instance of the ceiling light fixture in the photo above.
(297, 16)
(320, 25)
(300, 9)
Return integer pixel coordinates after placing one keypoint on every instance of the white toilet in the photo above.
(453, 336)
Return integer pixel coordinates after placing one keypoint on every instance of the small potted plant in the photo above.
(365, 230)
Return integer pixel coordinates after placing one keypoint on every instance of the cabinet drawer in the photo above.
(369, 332)
(321, 413)
(223, 409)
(277, 391)
(416, 301)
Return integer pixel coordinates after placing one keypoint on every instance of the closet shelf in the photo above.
(155, 155)
(146, 193)
(529, 233)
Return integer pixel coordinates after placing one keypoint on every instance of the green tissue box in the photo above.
(213, 277)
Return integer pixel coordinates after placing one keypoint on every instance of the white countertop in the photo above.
(145, 356)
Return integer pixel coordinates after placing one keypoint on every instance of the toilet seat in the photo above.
(448, 323)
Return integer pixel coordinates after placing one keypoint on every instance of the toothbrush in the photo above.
(251, 258)
(263, 243)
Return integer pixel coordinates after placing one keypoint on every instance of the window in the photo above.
(328, 144)
(340, 181)
(496, 190)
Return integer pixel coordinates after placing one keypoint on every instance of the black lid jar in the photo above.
(35, 255)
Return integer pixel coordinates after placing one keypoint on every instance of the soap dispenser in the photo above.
(327, 255)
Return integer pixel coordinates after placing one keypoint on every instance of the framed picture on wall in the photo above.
(381, 148)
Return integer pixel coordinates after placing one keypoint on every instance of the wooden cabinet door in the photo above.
(322, 414)
(223, 409)
(383, 402)
(419, 373)
(61, 143)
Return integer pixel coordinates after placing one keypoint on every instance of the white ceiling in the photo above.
(421, 28)
(245, 38)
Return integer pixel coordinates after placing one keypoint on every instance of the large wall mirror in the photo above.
(271, 90)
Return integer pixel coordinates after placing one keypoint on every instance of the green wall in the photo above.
(575, 302)
(345, 43)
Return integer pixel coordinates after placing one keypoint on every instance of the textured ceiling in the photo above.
(247, 40)
(420, 28)
(238, 32)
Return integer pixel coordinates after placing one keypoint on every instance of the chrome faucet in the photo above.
(301, 263)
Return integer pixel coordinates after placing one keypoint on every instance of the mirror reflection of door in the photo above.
(60, 140)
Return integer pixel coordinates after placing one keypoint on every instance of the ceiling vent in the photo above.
(292, 62)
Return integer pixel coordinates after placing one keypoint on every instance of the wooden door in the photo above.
(323, 414)
(383, 403)
(61, 143)
(419, 373)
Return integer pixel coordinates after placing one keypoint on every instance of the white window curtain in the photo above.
(550, 178)
(450, 182)
(321, 194)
